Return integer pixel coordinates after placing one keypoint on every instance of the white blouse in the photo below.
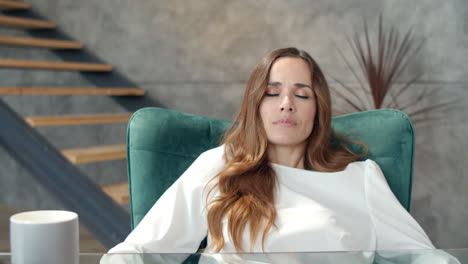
(349, 210)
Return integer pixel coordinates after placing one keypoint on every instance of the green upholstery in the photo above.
(162, 143)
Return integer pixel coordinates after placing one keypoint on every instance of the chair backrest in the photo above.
(162, 143)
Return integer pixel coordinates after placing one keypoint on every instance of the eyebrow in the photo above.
(301, 85)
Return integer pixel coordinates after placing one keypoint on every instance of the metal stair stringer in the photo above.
(97, 211)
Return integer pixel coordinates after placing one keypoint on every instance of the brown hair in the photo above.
(247, 182)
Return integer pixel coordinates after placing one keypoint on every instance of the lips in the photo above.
(285, 122)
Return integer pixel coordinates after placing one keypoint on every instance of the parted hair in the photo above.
(247, 183)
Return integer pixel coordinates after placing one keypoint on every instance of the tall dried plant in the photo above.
(381, 68)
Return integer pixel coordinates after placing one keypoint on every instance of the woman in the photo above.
(277, 184)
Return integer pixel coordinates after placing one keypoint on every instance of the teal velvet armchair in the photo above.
(162, 143)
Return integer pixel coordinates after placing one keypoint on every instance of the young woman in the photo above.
(276, 184)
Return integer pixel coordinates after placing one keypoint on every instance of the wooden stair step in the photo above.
(13, 5)
(71, 91)
(39, 42)
(67, 120)
(118, 192)
(95, 154)
(25, 23)
(54, 65)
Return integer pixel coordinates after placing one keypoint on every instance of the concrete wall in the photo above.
(195, 56)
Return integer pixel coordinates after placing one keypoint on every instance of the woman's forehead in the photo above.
(290, 68)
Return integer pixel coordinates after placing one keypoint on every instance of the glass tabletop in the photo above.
(448, 256)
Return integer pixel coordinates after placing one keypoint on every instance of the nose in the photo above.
(287, 105)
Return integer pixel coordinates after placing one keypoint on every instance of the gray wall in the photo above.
(194, 56)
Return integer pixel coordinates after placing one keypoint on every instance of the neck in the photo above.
(291, 156)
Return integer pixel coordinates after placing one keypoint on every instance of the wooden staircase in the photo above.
(55, 65)
(70, 91)
(67, 120)
(6, 5)
(78, 155)
(95, 154)
(39, 42)
(24, 23)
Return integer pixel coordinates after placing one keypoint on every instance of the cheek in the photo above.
(309, 116)
(263, 112)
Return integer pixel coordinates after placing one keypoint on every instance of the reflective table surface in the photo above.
(384, 257)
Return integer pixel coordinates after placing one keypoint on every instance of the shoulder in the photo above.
(375, 177)
(214, 153)
(362, 165)
(365, 165)
(372, 168)
(208, 164)
(368, 170)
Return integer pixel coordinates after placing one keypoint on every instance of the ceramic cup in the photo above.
(44, 237)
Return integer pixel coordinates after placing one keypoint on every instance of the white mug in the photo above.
(44, 237)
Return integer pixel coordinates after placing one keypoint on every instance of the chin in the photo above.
(285, 142)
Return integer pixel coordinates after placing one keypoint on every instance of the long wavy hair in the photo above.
(247, 183)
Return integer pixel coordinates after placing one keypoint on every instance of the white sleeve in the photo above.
(177, 222)
(395, 228)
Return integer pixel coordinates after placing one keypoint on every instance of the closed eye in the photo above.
(302, 96)
(271, 94)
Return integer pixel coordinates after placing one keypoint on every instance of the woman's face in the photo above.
(289, 105)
